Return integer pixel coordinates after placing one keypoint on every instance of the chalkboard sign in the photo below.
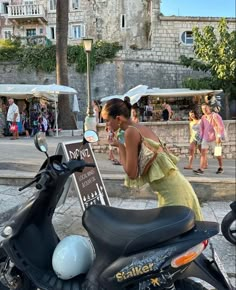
(88, 184)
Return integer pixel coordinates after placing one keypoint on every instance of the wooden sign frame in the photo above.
(88, 184)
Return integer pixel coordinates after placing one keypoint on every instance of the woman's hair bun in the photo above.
(127, 99)
(127, 102)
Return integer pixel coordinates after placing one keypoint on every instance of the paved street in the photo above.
(67, 219)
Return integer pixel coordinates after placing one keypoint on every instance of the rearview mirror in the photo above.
(41, 142)
(90, 136)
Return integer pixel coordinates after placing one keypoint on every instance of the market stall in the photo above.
(181, 101)
(36, 97)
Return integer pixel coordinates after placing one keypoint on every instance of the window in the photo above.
(30, 32)
(28, 2)
(75, 4)
(78, 31)
(52, 32)
(52, 5)
(122, 21)
(187, 37)
(7, 34)
(5, 8)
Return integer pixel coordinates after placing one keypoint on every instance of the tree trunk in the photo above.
(66, 120)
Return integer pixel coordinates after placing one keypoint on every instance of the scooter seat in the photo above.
(126, 231)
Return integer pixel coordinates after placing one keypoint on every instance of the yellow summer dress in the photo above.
(165, 179)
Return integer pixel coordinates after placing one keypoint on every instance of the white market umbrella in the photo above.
(51, 92)
(140, 89)
(133, 94)
(108, 98)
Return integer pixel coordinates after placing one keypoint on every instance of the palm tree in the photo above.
(66, 120)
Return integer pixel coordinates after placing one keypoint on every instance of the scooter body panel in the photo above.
(154, 263)
(208, 270)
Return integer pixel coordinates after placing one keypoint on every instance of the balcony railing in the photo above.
(26, 11)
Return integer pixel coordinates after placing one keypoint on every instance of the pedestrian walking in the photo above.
(195, 140)
(134, 114)
(13, 117)
(212, 132)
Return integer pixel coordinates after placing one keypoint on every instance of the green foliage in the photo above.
(194, 64)
(38, 58)
(8, 50)
(43, 58)
(202, 83)
(6, 43)
(215, 53)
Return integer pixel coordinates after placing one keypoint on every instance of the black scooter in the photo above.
(135, 249)
(228, 225)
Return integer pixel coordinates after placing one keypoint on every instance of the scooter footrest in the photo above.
(50, 281)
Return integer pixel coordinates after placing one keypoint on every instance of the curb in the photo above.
(207, 189)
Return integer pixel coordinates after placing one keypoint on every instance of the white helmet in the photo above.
(72, 256)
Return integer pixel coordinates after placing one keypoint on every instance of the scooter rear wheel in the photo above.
(187, 284)
(228, 222)
(26, 284)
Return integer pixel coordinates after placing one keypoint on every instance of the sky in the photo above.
(205, 8)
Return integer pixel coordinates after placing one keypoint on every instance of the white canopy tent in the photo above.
(161, 93)
(49, 92)
(21, 91)
(170, 93)
(132, 94)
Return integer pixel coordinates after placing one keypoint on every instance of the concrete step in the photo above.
(205, 188)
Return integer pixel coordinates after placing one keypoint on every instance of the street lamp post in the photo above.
(90, 119)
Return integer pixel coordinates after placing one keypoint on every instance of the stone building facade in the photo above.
(152, 43)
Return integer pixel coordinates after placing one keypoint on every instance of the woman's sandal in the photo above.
(187, 167)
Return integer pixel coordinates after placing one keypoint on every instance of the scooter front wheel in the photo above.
(24, 282)
(228, 227)
(187, 284)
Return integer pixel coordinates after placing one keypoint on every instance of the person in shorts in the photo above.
(212, 132)
(13, 117)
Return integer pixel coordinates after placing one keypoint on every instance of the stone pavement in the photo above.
(67, 218)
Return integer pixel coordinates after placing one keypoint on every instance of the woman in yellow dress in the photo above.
(165, 179)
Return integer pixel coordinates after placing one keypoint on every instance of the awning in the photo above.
(22, 91)
(49, 92)
(162, 93)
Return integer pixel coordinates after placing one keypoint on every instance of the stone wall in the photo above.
(111, 78)
(176, 136)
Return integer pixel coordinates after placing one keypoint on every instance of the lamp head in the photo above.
(87, 43)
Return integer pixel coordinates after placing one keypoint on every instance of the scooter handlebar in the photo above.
(42, 181)
(90, 165)
(78, 165)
